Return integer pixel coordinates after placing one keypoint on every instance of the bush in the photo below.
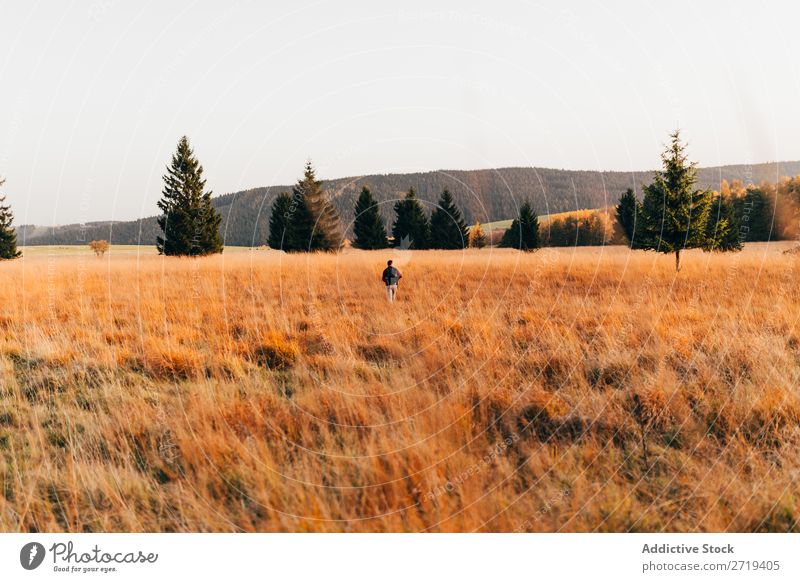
(99, 247)
(276, 353)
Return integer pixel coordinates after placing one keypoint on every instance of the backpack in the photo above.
(391, 276)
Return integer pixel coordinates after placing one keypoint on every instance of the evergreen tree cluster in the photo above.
(303, 221)
(291, 222)
(738, 214)
(306, 220)
(445, 229)
(674, 215)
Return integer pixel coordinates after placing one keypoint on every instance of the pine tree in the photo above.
(300, 229)
(8, 236)
(756, 212)
(448, 230)
(369, 229)
(674, 214)
(722, 228)
(189, 222)
(477, 238)
(627, 212)
(279, 222)
(314, 224)
(524, 231)
(210, 220)
(411, 224)
(529, 227)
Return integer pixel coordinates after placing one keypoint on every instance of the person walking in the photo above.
(391, 277)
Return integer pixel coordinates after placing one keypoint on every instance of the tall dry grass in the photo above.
(566, 390)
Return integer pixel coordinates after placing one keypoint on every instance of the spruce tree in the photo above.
(314, 222)
(369, 229)
(8, 236)
(674, 214)
(524, 231)
(411, 228)
(627, 211)
(210, 220)
(722, 228)
(756, 211)
(477, 238)
(189, 222)
(300, 229)
(279, 222)
(448, 230)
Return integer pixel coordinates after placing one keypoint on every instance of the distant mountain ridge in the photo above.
(483, 195)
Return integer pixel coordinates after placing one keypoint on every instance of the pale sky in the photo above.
(94, 95)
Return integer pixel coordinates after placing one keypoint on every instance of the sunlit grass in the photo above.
(503, 391)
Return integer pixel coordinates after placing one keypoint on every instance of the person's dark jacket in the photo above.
(391, 276)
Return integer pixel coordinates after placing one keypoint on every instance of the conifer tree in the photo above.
(8, 236)
(300, 229)
(314, 223)
(189, 222)
(411, 228)
(627, 212)
(477, 238)
(369, 229)
(756, 212)
(279, 222)
(524, 231)
(723, 228)
(448, 230)
(674, 214)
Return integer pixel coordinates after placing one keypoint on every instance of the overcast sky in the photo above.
(94, 95)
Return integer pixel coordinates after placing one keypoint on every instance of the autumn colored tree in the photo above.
(99, 247)
(477, 238)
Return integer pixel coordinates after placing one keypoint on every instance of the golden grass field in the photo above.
(586, 389)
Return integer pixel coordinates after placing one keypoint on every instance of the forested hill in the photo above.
(484, 195)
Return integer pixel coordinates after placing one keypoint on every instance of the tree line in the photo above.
(673, 215)
(581, 228)
(306, 220)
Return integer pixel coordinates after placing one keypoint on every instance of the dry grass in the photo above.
(569, 390)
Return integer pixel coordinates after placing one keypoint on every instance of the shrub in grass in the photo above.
(276, 353)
